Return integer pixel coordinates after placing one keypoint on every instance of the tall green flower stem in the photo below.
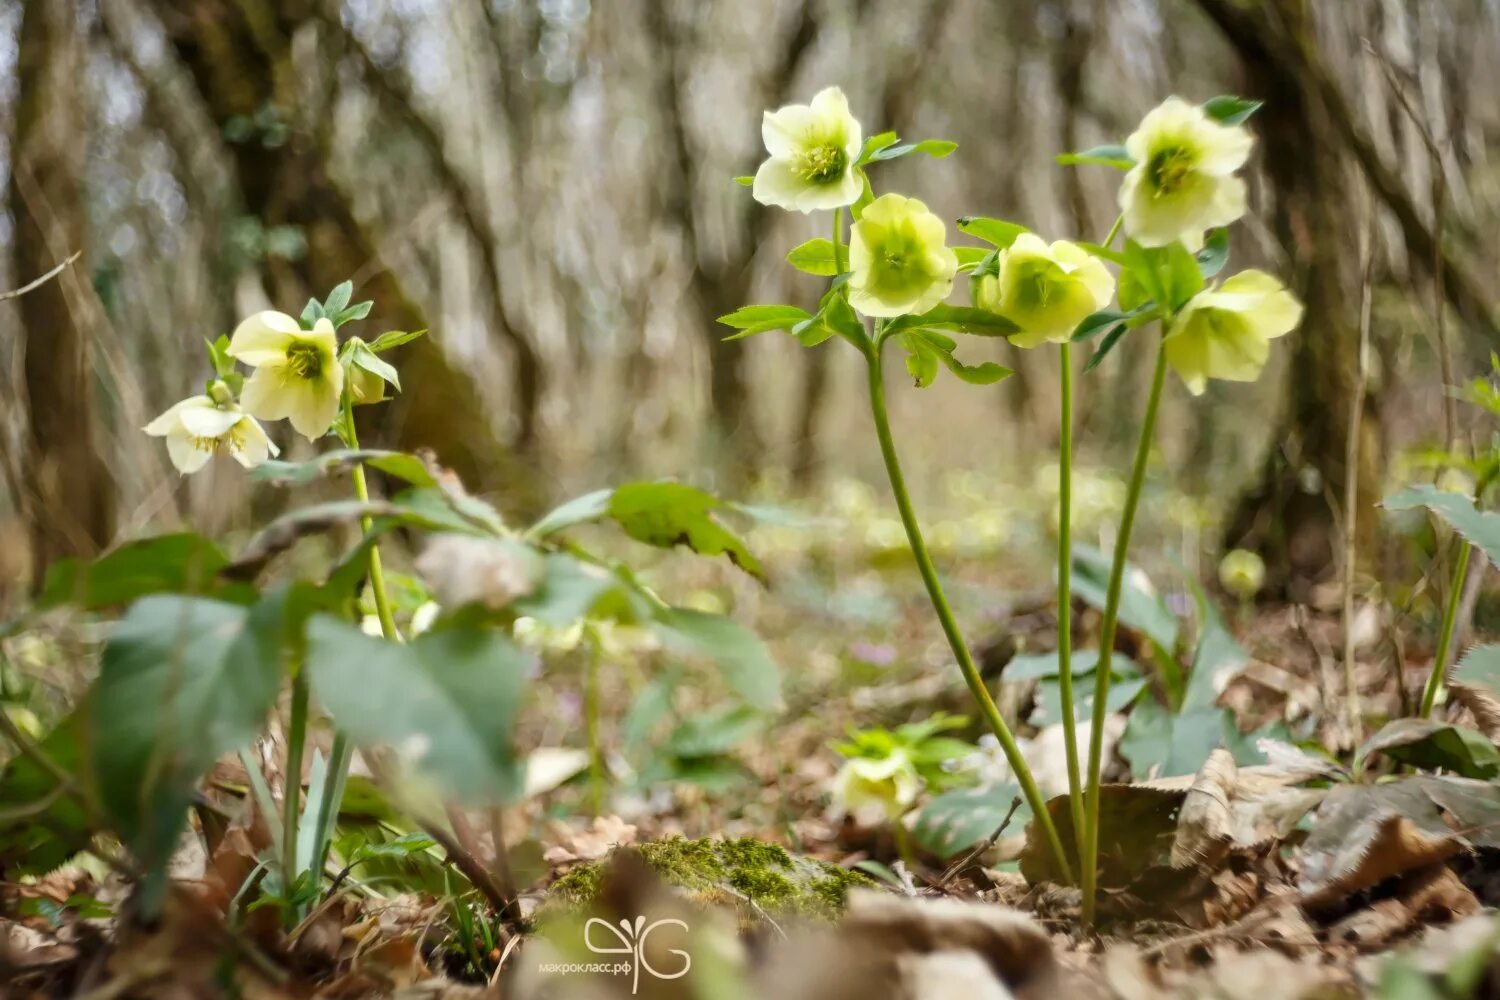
(1065, 589)
(594, 653)
(1090, 853)
(961, 653)
(1450, 621)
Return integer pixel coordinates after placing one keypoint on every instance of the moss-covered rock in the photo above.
(728, 873)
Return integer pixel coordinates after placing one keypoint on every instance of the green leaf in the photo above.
(1169, 275)
(750, 320)
(1126, 685)
(667, 514)
(996, 232)
(1427, 743)
(875, 144)
(181, 563)
(182, 681)
(815, 257)
(404, 466)
(1480, 528)
(935, 148)
(956, 319)
(579, 510)
(956, 821)
(1227, 110)
(866, 195)
(361, 356)
(572, 590)
(1140, 609)
(1220, 658)
(1105, 253)
(311, 313)
(1105, 346)
(745, 180)
(970, 258)
(921, 359)
(394, 338)
(1160, 744)
(1480, 668)
(713, 733)
(929, 347)
(835, 317)
(338, 299)
(357, 311)
(1104, 156)
(1215, 253)
(40, 827)
(1098, 322)
(218, 356)
(446, 703)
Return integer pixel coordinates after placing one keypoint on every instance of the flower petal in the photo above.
(262, 339)
(186, 455)
(778, 185)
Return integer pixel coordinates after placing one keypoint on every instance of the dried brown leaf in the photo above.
(1205, 822)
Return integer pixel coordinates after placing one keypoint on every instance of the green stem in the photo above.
(1107, 638)
(838, 248)
(1445, 638)
(291, 798)
(951, 631)
(1065, 591)
(597, 777)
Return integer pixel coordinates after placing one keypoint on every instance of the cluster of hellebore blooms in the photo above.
(896, 269)
(301, 373)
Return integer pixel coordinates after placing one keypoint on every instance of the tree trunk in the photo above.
(68, 493)
(239, 55)
(1287, 513)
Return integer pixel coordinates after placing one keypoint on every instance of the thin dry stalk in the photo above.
(1351, 463)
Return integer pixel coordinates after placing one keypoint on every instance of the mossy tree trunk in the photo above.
(67, 492)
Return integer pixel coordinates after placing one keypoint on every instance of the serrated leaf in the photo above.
(394, 338)
(996, 232)
(446, 703)
(815, 257)
(1480, 528)
(750, 320)
(1113, 155)
(1229, 110)
(667, 514)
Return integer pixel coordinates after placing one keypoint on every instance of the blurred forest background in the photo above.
(547, 186)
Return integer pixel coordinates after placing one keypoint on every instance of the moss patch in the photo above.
(716, 872)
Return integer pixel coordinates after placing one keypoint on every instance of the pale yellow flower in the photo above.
(813, 149)
(1183, 180)
(1226, 333)
(1242, 573)
(1045, 290)
(890, 782)
(297, 374)
(900, 262)
(198, 427)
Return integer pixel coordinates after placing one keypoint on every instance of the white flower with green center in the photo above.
(1226, 333)
(900, 262)
(1242, 573)
(813, 149)
(1045, 290)
(1183, 180)
(297, 374)
(890, 782)
(198, 427)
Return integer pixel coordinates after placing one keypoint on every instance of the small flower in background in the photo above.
(297, 374)
(900, 262)
(493, 572)
(1242, 573)
(890, 782)
(1183, 180)
(1225, 333)
(1456, 481)
(550, 638)
(813, 149)
(1045, 290)
(198, 427)
(890, 768)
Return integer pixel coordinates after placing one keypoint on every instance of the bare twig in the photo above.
(1351, 460)
(963, 863)
(16, 293)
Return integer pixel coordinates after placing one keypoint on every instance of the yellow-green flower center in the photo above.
(304, 360)
(234, 438)
(822, 164)
(1169, 167)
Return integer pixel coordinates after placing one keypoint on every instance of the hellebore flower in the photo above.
(813, 148)
(890, 782)
(297, 374)
(1045, 290)
(198, 427)
(898, 258)
(1183, 180)
(1226, 333)
(1242, 573)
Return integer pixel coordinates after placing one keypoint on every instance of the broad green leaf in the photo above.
(716, 732)
(182, 681)
(311, 313)
(970, 257)
(995, 232)
(956, 821)
(394, 338)
(956, 319)
(1215, 253)
(400, 464)
(935, 148)
(746, 663)
(835, 317)
(182, 563)
(1427, 743)
(362, 357)
(875, 144)
(1220, 658)
(1227, 110)
(651, 705)
(816, 257)
(284, 532)
(1158, 743)
(667, 514)
(446, 703)
(1480, 668)
(921, 359)
(338, 299)
(572, 590)
(1124, 688)
(750, 320)
(1096, 323)
(1168, 275)
(40, 826)
(1140, 608)
(1105, 156)
(1035, 666)
(1480, 528)
(579, 510)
